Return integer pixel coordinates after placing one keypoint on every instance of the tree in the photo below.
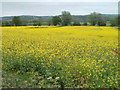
(66, 18)
(24, 23)
(17, 21)
(49, 22)
(115, 21)
(96, 19)
(37, 22)
(56, 20)
(76, 23)
(100, 21)
(85, 24)
(118, 20)
(7, 23)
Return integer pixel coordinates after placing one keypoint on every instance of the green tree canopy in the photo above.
(17, 21)
(96, 19)
(56, 20)
(115, 21)
(37, 22)
(66, 18)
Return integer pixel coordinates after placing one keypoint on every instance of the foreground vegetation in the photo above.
(65, 57)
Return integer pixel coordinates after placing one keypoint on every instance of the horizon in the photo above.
(55, 8)
(58, 15)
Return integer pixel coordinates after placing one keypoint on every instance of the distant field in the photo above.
(51, 57)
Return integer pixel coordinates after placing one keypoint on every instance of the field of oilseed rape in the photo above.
(60, 57)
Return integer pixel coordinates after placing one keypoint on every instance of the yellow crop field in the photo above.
(55, 57)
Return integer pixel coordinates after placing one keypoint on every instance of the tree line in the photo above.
(65, 19)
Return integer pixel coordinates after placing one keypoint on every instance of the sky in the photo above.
(55, 7)
(60, 0)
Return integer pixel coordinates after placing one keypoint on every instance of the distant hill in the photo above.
(107, 17)
(26, 18)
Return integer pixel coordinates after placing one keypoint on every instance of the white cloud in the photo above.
(60, 0)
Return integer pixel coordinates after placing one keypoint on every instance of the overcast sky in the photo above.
(60, 0)
(55, 7)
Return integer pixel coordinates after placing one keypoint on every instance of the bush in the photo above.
(76, 23)
(85, 24)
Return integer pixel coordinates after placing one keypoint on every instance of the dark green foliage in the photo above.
(17, 21)
(66, 18)
(85, 24)
(24, 23)
(7, 23)
(36, 22)
(115, 21)
(92, 18)
(82, 18)
(118, 20)
(96, 19)
(56, 20)
(49, 22)
(101, 23)
(76, 23)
